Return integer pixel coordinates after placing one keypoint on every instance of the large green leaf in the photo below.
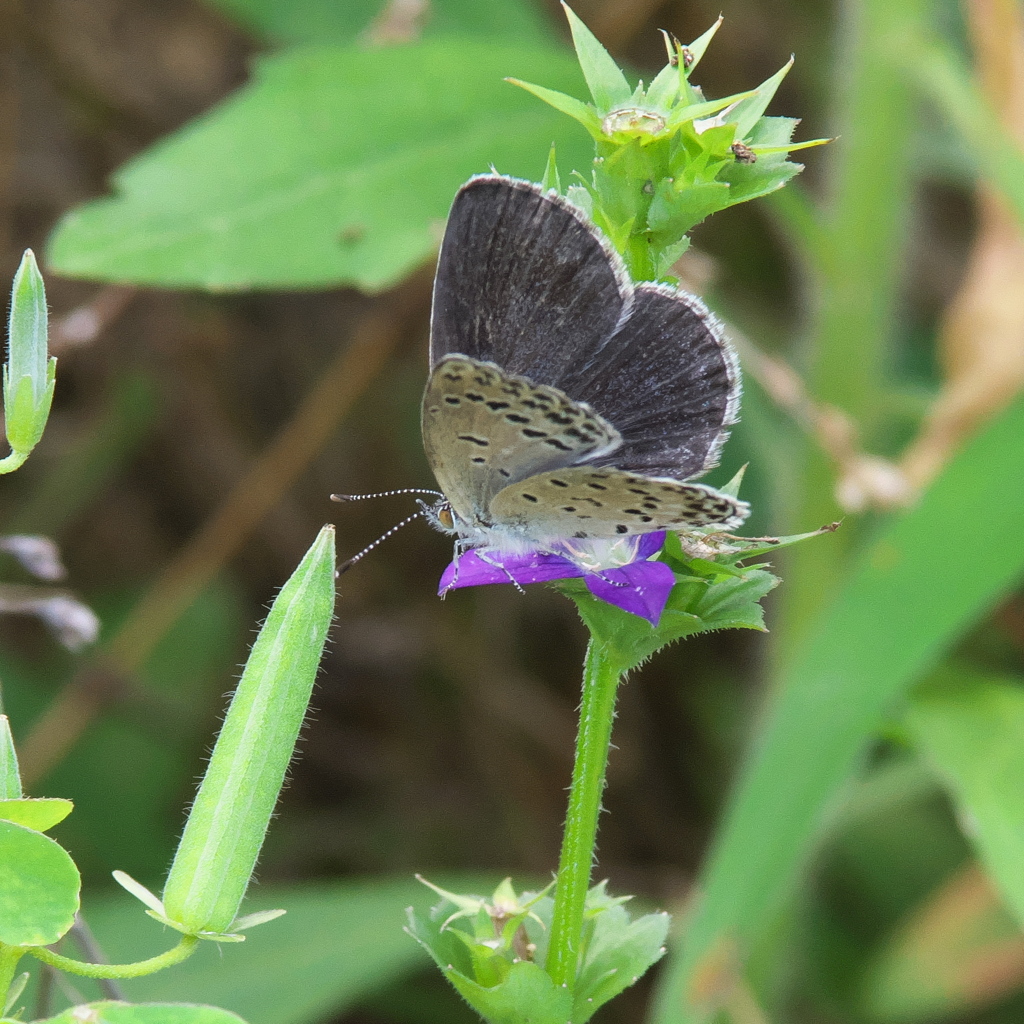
(928, 575)
(971, 729)
(38, 887)
(336, 945)
(336, 165)
(307, 21)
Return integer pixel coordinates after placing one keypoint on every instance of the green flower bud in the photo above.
(28, 378)
(228, 821)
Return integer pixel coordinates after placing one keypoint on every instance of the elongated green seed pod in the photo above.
(226, 826)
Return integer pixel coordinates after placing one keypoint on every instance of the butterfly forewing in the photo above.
(524, 280)
(580, 502)
(484, 429)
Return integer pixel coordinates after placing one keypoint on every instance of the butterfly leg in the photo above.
(497, 565)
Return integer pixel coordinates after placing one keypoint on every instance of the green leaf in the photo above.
(576, 109)
(10, 776)
(39, 886)
(247, 921)
(38, 813)
(337, 944)
(229, 818)
(140, 892)
(748, 111)
(551, 179)
(329, 21)
(607, 83)
(771, 170)
(693, 607)
(698, 47)
(904, 606)
(108, 1012)
(334, 166)
(971, 730)
(526, 996)
(619, 952)
(526, 992)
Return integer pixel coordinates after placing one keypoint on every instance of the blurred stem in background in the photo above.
(855, 277)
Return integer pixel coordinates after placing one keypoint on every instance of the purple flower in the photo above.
(629, 582)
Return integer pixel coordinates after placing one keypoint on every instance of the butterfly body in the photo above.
(565, 405)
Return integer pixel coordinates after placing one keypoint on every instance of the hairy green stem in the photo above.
(14, 461)
(597, 711)
(182, 951)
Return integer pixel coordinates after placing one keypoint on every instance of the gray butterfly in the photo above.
(564, 402)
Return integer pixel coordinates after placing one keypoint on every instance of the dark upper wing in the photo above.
(524, 280)
(669, 382)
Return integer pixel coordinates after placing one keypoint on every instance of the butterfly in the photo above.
(566, 406)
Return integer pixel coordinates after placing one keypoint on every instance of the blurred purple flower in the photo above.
(629, 582)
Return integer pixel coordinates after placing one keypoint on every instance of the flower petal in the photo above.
(471, 570)
(641, 588)
(649, 544)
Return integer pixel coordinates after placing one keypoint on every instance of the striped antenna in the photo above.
(385, 494)
(345, 566)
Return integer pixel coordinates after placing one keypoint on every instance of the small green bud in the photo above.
(666, 156)
(29, 373)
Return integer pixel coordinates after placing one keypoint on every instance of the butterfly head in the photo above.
(440, 515)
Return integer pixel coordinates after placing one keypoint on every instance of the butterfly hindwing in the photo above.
(580, 501)
(668, 380)
(484, 428)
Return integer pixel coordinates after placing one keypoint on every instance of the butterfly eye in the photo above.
(444, 517)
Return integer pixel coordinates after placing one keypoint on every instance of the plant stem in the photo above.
(14, 461)
(181, 951)
(597, 711)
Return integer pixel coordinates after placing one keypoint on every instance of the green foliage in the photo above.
(666, 157)
(894, 619)
(336, 165)
(337, 944)
(618, 950)
(494, 953)
(39, 886)
(720, 600)
(314, 21)
(970, 728)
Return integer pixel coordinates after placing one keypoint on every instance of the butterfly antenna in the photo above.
(385, 494)
(345, 566)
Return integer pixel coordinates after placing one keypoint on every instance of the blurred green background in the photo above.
(834, 810)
